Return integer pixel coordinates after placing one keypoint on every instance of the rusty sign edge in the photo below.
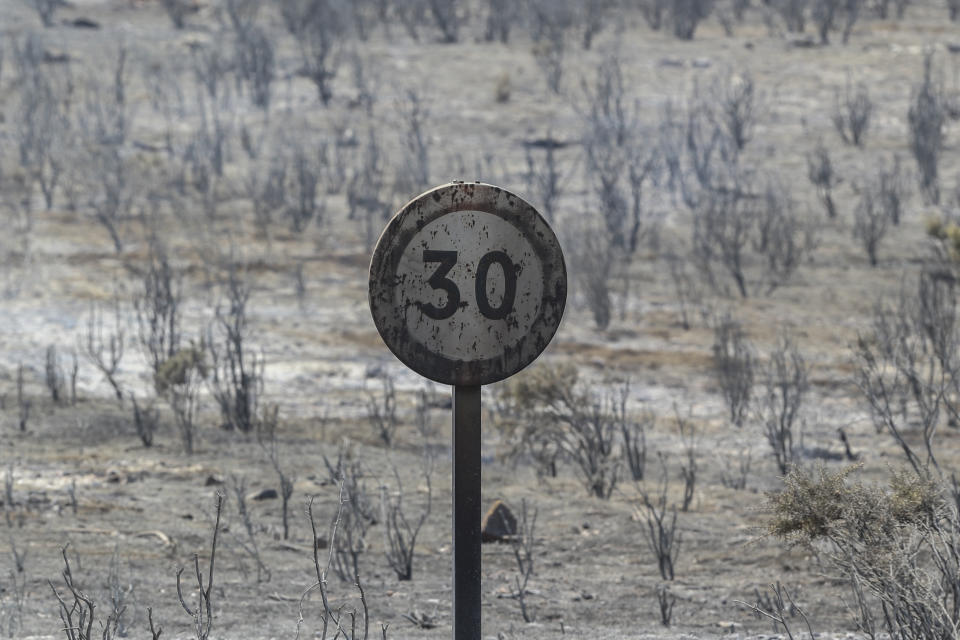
(431, 205)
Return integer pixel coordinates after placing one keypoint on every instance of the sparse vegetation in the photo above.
(267, 438)
(357, 514)
(904, 364)
(104, 346)
(203, 182)
(780, 411)
(663, 539)
(45, 9)
(591, 253)
(157, 305)
(733, 365)
(930, 109)
(758, 239)
(382, 410)
(236, 371)
(573, 419)
(871, 221)
(686, 15)
(146, 419)
(823, 176)
(202, 610)
(319, 27)
(180, 381)
(852, 112)
(247, 538)
(24, 404)
(400, 528)
(524, 552)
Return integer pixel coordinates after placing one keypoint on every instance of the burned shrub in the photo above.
(686, 15)
(871, 221)
(822, 175)
(446, 15)
(177, 11)
(319, 27)
(146, 419)
(157, 306)
(851, 113)
(618, 170)
(733, 365)
(757, 239)
(582, 424)
(906, 365)
(104, 347)
(737, 106)
(399, 531)
(930, 108)
(779, 411)
(236, 371)
(255, 64)
(45, 9)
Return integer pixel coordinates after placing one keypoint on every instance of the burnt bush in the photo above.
(550, 410)
(930, 109)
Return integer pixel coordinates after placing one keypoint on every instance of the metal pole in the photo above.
(466, 513)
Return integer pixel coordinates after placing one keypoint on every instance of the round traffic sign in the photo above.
(467, 284)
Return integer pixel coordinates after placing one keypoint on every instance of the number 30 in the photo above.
(439, 280)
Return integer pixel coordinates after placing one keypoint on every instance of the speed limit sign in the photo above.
(467, 284)
(467, 287)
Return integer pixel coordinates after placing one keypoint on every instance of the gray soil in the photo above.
(142, 513)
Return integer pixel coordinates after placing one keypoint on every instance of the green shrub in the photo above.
(897, 547)
(173, 371)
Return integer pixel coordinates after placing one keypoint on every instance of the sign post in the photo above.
(466, 513)
(467, 287)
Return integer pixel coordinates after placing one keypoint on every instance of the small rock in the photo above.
(499, 524)
(85, 23)
(35, 498)
(728, 626)
(212, 480)
(113, 477)
(348, 139)
(55, 56)
(266, 494)
(420, 619)
(670, 62)
(702, 63)
(546, 143)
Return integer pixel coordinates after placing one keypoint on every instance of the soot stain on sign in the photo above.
(487, 367)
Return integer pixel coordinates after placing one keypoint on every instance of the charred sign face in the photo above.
(467, 284)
